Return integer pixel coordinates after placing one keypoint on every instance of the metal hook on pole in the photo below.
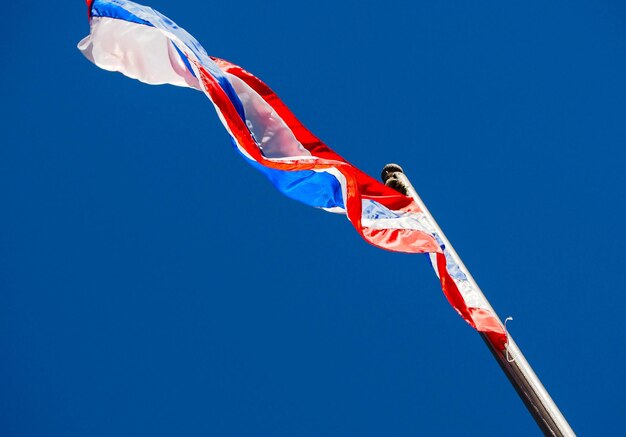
(511, 360)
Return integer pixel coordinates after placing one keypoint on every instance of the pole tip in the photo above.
(389, 175)
(389, 170)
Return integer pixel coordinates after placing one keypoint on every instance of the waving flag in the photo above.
(145, 45)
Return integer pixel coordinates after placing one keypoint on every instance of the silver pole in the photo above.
(511, 360)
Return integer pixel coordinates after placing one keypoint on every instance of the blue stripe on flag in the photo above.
(112, 9)
(321, 190)
(185, 60)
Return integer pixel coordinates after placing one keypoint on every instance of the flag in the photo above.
(143, 44)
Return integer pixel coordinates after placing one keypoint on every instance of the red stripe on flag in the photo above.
(89, 3)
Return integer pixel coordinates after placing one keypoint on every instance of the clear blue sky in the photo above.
(153, 284)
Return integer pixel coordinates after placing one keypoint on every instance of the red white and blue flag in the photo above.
(143, 44)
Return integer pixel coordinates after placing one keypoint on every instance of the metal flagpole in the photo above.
(511, 360)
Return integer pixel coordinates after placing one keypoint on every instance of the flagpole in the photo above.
(511, 360)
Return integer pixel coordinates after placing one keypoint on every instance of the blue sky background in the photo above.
(153, 284)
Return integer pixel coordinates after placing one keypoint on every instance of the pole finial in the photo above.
(390, 176)
(389, 170)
